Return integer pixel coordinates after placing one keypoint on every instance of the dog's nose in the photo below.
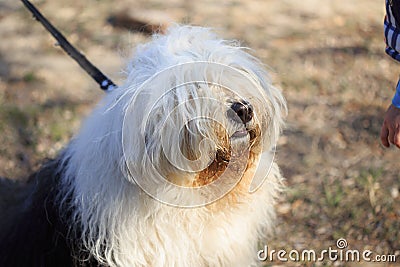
(243, 110)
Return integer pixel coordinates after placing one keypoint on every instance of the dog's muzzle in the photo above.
(243, 112)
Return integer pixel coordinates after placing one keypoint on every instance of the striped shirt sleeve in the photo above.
(392, 38)
(392, 32)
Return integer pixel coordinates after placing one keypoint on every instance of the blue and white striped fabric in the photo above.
(392, 39)
(392, 34)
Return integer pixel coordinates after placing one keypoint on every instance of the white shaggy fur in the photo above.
(123, 226)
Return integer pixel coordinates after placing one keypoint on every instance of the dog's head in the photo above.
(204, 119)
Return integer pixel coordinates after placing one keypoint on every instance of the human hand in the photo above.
(390, 131)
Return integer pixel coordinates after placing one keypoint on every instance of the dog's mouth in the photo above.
(245, 132)
(240, 133)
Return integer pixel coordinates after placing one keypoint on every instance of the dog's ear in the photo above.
(277, 110)
(268, 103)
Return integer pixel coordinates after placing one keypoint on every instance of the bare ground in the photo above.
(327, 57)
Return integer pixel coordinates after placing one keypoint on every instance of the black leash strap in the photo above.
(104, 82)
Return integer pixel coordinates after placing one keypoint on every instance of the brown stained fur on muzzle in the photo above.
(215, 169)
(224, 157)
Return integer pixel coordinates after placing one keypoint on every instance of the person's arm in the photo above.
(390, 132)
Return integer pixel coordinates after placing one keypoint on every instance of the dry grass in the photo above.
(327, 56)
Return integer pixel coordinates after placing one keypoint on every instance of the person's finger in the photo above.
(396, 138)
(384, 135)
(391, 134)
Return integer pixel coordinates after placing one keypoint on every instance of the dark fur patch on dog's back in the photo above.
(31, 231)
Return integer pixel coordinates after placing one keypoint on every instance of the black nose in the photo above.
(243, 110)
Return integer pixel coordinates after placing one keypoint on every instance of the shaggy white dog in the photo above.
(173, 168)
